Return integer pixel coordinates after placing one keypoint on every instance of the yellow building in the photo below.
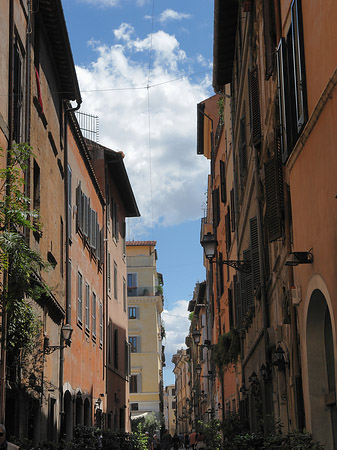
(170, 408)
(145, 305)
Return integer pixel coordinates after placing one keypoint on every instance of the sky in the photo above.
(142, 66)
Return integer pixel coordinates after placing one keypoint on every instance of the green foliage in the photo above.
(149, 424)
(221, 108)
(212, 433)
(22, 266)
(226, 352)
(14, 205)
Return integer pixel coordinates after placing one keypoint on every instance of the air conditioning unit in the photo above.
(296, 295)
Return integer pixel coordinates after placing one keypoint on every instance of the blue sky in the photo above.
(143, 65)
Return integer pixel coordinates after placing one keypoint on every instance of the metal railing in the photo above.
(144, 291)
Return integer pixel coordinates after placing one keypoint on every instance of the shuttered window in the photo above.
(116, 353)
(298, 64)
(69, 201)
(228, 230)
(223, 181)
(292, 83)
(242, 149)
(87, 306)
(233, 210)
(283, 97)
(274, 198)
(230, 309)
(255, 106)
(79, 296)
(254, 249)
(237, 302)
(269, 37)
(93, 315)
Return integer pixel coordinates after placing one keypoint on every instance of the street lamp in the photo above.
(209, 244)
(196, 337)
(66, 332)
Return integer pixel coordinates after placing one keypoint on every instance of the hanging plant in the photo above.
(227, 351)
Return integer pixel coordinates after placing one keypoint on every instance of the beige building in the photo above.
(183, 375)
(170, 408)
(145, 305)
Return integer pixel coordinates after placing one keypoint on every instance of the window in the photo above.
(109, 273)
(124, 294)
(87, 306)
(69, 201)
(132, 312)
(101, 323)
(223, 182)
(61, 248)
(174, 405)
(68, 317)
(79, 296)
(173, 391)
(134, 341)
(291, 83)
(115, 281)
(242, 149)
(93, 314)
(18, 92)
(134, 407)
(132, 284)
(37, 198)
(116, 348)
(114, 217)
(134, 384)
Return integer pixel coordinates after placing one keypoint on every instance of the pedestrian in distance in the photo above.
(4, 444)
(176, 441)
(187, 441)
(166, 441)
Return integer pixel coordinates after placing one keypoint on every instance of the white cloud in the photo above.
(167, 176)
(103, 3)
(177, 326)
(170, 14)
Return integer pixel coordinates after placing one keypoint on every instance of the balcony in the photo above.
(144, 291)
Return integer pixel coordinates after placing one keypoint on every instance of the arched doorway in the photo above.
(321, 371)
(68, 416)
(87, 413)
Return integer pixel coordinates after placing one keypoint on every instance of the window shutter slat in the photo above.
(269, 37)
(274, 198)
(248, 281)
(78, 207)
(254, 247)
(255, 106)
(223, 181)
(282, 91)
(237, 302)
(298, 59)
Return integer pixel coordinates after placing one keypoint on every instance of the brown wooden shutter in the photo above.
(242, 149)
(299, 67)
(254, 247)
(228, 230)
(283, 99)
(223, 181)
(274, 198)
(232, 209)
(247, 280)
(269, 37)
(255, 106)
(230, 309)
(237, 302)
